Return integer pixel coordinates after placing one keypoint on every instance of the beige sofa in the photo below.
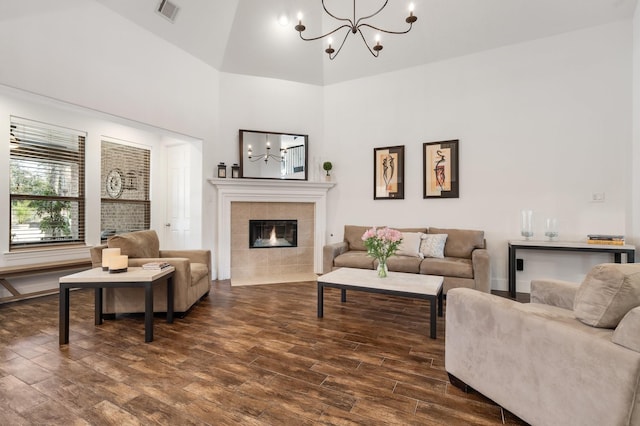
(465, 260)
(192, 279)
(571, 357)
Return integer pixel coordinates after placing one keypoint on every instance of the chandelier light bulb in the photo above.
(329, 50)
(378, 47)
(299, 16)
(411, 8)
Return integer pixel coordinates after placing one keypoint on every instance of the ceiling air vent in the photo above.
(168, 10)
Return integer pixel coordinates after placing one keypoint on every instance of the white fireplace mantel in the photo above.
(267, 190)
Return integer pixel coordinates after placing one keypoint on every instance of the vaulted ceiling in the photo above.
(245, 37)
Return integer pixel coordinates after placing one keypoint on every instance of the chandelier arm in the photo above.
(375, 54)
(357, 24)
(351, 23)
(346, 35)
(386, 31)
(324, 35)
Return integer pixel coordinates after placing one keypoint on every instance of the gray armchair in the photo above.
(571, 357)
(192, 279)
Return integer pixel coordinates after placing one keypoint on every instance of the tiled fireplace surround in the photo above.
(240, 200)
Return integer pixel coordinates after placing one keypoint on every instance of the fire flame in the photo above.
(272, 237)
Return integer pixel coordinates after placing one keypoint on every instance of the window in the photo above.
(46, 185)
(125, 175)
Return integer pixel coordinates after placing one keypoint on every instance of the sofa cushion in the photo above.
(626, 333)
(403, 230)
(607, 293)
(198, 271)
(353, 236)
(404, 264)
(460, 242)
(432, 245)
(136, 244)
(410, 245)
(447, 267)
(354, 259)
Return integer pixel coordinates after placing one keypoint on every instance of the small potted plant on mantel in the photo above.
(327, 166)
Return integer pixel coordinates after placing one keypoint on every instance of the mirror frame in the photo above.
(242, 155)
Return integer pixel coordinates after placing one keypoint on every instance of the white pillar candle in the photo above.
(107, 254)
(118, 263)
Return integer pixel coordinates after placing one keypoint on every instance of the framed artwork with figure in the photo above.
(388, 173)
(440, 170)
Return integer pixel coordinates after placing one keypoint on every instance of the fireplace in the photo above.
(273, 233)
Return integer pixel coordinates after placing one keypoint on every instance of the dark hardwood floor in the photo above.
(255, 355)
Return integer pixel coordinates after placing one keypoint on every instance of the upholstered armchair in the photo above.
(192, 279)
(570, 357)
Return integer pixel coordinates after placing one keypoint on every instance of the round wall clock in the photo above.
(115, 183)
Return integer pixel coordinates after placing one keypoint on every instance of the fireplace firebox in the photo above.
(273, 233)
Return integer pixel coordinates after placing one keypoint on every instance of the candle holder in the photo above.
(222, 171)
(107, 255)
(118, 264)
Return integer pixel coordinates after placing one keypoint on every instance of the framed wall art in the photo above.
(440, 170)
(388, 173)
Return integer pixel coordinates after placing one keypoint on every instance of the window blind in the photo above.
(46, 184)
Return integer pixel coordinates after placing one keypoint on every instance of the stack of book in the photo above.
(617, 240)
(155, 266)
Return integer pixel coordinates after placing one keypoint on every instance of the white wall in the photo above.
(542, 125)
(82, 53)
(78, 64)
(265, 104)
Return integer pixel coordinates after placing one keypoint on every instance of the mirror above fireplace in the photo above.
(273, 155)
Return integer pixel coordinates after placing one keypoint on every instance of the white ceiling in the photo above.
(244, 36)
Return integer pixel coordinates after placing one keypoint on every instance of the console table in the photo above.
(98, 279)
(616, 250)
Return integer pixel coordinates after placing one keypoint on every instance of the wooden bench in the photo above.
(8, 272)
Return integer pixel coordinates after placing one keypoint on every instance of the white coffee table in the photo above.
(415, 286)
(98, 279)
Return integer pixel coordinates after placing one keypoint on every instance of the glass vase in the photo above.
(382, 268)
(551, 228)
(526, 224)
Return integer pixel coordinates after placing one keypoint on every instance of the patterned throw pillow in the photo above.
(432, 245)
(410, 245)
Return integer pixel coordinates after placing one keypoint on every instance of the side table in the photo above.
(98, 279)
(616, 250)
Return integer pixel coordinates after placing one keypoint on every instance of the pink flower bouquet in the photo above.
(382, 243)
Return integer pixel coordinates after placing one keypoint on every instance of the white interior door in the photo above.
(178, 209)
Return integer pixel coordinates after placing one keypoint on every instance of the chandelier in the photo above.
(267, 155)
(354, 26)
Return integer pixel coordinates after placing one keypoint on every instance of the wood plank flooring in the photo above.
(254, 355)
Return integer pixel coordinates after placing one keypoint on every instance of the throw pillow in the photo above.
(432, 245)
(607, 293)
(410, 245)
